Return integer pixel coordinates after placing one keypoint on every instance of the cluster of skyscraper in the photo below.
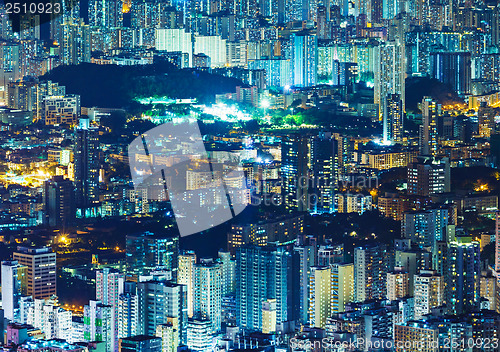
(278, 279)
(276, 43)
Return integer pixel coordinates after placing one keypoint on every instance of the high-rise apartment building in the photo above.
(342, 286)
(186, 277)
(278, 229)
(324, 178)
(199, 335)
(304, 258)
(370, 270)
(345, 151)
(169, 336)
(97, 320)
(87, 165)
(279, 72)
(41, 273)
(428, 175)
(269, 316)
(398, 285)
(160, 303)
(40, 92)
(424, 228)
(391, 205)
(488, 290)
(320, 292)
(389, 73)
(428, 291)
(304, 59)
(48, 316)
(127, 314)
(393, 116)
(208, 292)
(453, 69)
(486, 120)
(294, 171)
(417, 335)
(11, 72)
(11, 290)
(428, 141)
(261, 274)
(175, 40)
(109, 287)
(353, 203)
(20, 95)
(105, 13)
(59, 201)
(212, 46)
(228, 271)
(463, 275)
(75, 42)
(147, 251)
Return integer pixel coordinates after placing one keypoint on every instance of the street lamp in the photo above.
(265, 105)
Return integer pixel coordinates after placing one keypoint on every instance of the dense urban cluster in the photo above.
(340, 191)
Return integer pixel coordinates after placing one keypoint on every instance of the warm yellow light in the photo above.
(126, 7)
(481, 187)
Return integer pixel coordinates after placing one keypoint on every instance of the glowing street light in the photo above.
(265, 104)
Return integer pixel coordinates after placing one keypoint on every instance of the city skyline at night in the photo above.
(250, 175)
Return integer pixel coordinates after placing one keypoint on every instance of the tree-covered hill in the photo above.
(116, 86)
(418, 87)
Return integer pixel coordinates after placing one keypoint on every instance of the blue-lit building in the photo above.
(162, 302)
(105, 13)
(86, 166)
(304, 59)
(294, 159)
(463, 276)
(146, 251)
(324, 173)
(453, 69)
(261, 273)
(278, 71)
(425, 227)
(419, 45)
(304, 257)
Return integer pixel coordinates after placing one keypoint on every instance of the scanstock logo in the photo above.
(205, 189)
